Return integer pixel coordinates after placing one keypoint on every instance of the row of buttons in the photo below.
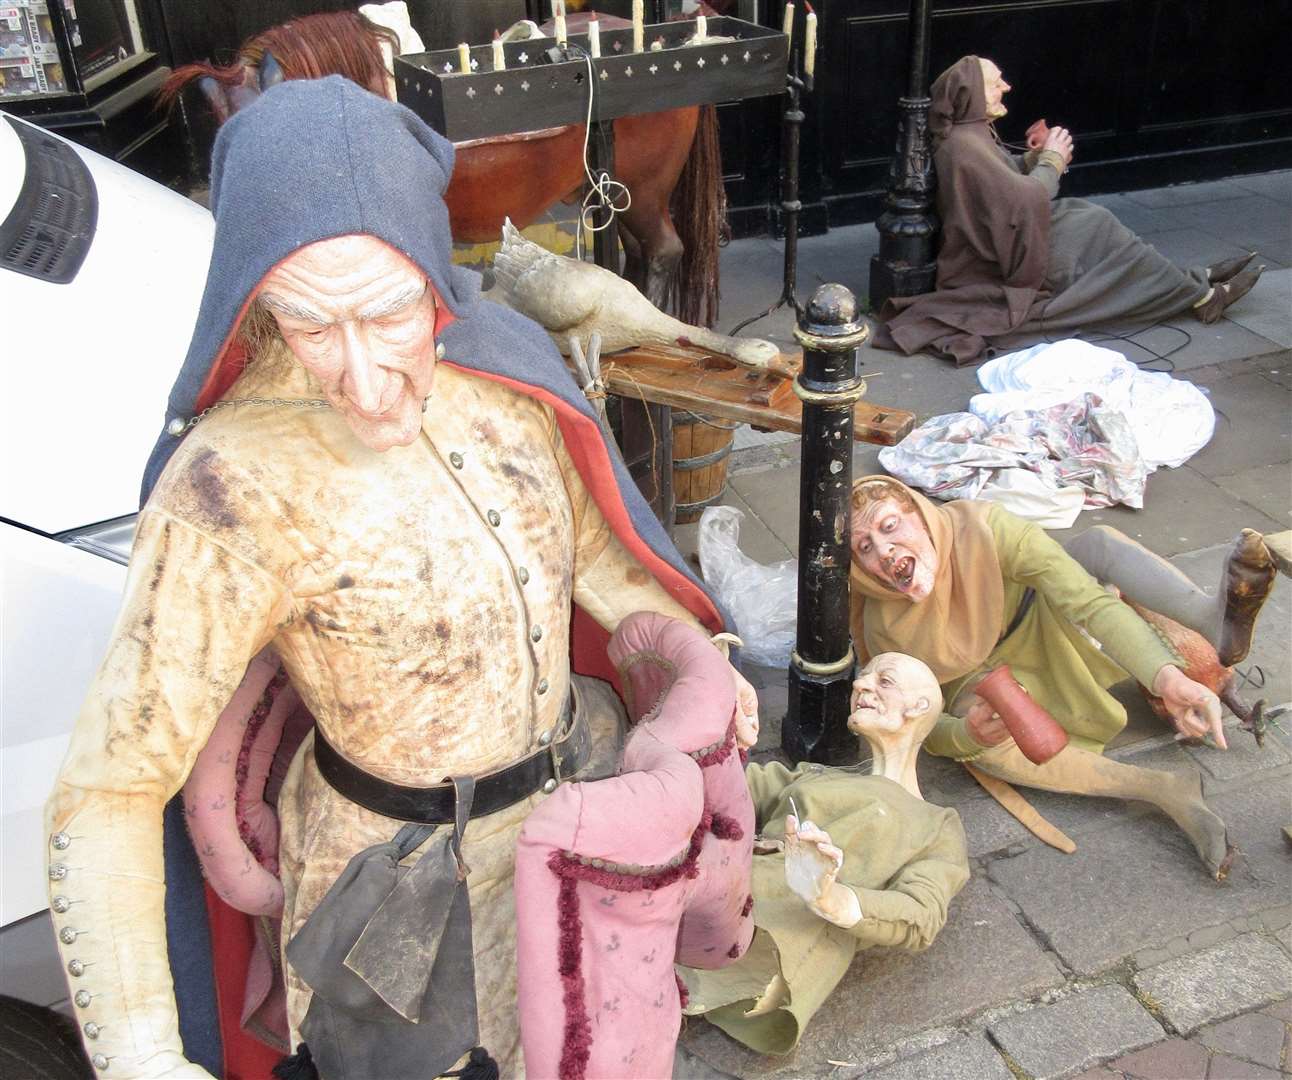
(61, 841)
(522, 574)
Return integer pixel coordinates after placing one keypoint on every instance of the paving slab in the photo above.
(1253, 427)
(1075, 1032)
(1206, 192)
(1247, 972)
(1109, 899)
(1173, 1059)
(1267, 488)
(1267, 309)
(1255, 222)
(1184, 511)
(1147, 221)
(959, 1059)
(774, 497)
(889, 995)
(1188, 344)
(1252, 1037)
(1273, 185)
(1224, 1067)
(1188, 247)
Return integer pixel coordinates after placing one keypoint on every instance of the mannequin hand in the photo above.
(746, 712)
(1194, 709)
(985, 727)
(1059, 140)
(812, 865)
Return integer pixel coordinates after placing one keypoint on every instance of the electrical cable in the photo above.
(605, 194)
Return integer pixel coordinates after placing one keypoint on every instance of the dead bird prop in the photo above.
(570, 298)
(1202, 665)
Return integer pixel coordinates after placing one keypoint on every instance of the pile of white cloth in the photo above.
(1060, 427)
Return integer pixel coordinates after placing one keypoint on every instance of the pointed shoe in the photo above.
(1222, 271)
(1228, 293)
(1249, 578)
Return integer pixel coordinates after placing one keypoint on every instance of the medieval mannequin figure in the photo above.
(849, 861)
(967, 586)
(1014, 259)
(398, 492)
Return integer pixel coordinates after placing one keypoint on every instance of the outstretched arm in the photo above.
(193, 616)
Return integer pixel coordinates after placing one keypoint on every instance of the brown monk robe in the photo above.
(1014, 260)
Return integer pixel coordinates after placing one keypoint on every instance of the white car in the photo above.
(101, 274)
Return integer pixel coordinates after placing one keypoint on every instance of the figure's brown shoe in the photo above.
(1249, 577)
(1227, 293)
(1223, 271)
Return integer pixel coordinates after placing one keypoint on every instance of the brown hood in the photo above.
(958, 96)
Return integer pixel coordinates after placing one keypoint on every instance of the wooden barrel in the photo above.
(701, 446)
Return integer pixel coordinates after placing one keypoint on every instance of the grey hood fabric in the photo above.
(312, 159)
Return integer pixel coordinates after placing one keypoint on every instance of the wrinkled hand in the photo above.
(1194, 709)
(812, 865)
(1059, 140)
(746, 712)
(812, 862)
(985, 727)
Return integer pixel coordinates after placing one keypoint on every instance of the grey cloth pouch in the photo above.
(387, 954)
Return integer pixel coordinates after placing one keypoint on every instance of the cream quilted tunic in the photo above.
(419, 599)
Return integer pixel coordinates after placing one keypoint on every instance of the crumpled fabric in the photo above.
(1079, 445)
(1171, 419)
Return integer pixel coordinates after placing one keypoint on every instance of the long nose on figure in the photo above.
(360, 372)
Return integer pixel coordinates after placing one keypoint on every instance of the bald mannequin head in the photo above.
(896, 701)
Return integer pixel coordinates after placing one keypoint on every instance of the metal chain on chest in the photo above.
(179, 426)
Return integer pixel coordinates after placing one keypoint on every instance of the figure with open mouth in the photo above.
(967, 586)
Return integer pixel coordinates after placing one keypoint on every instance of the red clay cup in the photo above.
(1035, 731)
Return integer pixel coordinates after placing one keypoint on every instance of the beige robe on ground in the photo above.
(419, 599)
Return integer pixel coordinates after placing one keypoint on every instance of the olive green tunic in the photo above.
(1048, 653)
(904, 858)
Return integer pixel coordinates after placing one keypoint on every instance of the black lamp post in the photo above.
(830, 329)
(906, 264)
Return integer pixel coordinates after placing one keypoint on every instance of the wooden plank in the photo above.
(699, 381)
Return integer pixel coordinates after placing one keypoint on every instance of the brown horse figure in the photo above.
(668, 160)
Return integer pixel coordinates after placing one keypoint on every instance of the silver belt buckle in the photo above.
(554, 742)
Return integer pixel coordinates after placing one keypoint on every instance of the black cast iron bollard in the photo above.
(815, 728)
(907, 261)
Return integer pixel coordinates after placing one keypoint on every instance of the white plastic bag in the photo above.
(763, 600)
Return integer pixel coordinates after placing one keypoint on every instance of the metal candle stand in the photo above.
(791, 123)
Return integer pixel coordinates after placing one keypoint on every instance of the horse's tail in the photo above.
(699, 210)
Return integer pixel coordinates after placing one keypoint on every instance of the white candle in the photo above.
(594, 37)
(558, 9)
(499, 59)
(639, 30)
(701, 28)
(464, 58)
(787, 27)
(809, 46)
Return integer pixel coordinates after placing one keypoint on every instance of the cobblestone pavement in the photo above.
(1122, 959)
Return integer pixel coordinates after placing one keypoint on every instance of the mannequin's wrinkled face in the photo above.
(996, 88)
(892, 545)
(361, 319)
(893, 690)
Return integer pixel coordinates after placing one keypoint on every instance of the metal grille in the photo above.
(50, 228)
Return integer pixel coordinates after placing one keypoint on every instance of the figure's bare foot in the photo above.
(1249, 577)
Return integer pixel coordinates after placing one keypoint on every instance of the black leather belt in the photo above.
(542, 770)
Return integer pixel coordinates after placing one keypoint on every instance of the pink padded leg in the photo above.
(617, 878)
